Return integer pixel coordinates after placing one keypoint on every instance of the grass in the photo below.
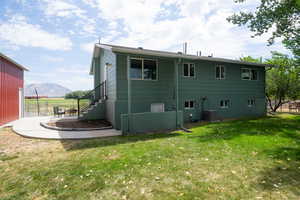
(55, 101)
(243, 159)
(46, 105)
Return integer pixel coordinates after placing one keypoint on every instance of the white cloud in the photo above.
(61, 8)
(201, 23)
(52, 58)
(88, 47)
(17, 31)
(80, 79)
(66, 9)
(82, 70)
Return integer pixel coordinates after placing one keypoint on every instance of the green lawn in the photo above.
(243, 159)
(46, 104)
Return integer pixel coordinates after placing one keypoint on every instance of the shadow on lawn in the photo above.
(285, 173)
(70, 145)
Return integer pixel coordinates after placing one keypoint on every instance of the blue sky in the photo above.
(54, 38)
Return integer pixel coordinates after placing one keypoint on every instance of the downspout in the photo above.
(177, 96)
(129, 93)
(176, 65)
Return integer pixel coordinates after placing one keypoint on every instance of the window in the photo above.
(224, 103)
(189, 104)
(143, 69)
(254, 75)
(220, 72)
(150, 69)
(188, 69)
(136, 68)
(251, 102)
(249, 74)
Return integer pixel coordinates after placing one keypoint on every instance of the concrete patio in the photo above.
(30, 127)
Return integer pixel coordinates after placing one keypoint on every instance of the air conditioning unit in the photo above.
(210, 115)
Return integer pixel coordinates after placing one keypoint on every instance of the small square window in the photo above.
(245, 74)
(188, 69)
(224, 103)
(189, 104)
(220, 72)
(186, 104)
(251, 102)
(249, 74)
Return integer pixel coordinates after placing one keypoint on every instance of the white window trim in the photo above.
(142, 79)
(224, 107)
(250, 70)
(189, 70)
(189, 108)
(220, 78)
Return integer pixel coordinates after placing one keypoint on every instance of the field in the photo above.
(46, 105)
(242, 159)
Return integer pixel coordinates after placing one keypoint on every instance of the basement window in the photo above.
(249, 74)
(251, 102)
(224, 103)
(189, 70)
(189, 104)
(143, 69)
(220, 72)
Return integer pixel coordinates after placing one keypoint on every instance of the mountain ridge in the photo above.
(46, 89)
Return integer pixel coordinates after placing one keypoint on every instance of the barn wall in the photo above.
(11, 79)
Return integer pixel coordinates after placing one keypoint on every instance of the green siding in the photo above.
(238, 91)
(145, 122)
(111, 82)
(144, 92)
(204, 84)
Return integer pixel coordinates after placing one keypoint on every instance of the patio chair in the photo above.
(57, 111)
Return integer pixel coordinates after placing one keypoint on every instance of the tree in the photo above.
(282, 81)
(77, 94)
(251, 59)
(281, 17)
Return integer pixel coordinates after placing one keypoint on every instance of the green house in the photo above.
(140, 90)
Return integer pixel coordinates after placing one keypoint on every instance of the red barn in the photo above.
(11, 89)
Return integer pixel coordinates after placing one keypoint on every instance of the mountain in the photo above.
(46, 89)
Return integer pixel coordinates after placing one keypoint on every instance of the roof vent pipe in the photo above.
(184, 48)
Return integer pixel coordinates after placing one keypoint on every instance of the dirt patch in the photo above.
(74, 123)
(11, 143)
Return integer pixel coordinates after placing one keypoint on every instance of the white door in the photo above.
(21, 102)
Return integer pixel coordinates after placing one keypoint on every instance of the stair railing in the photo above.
(88, 100)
